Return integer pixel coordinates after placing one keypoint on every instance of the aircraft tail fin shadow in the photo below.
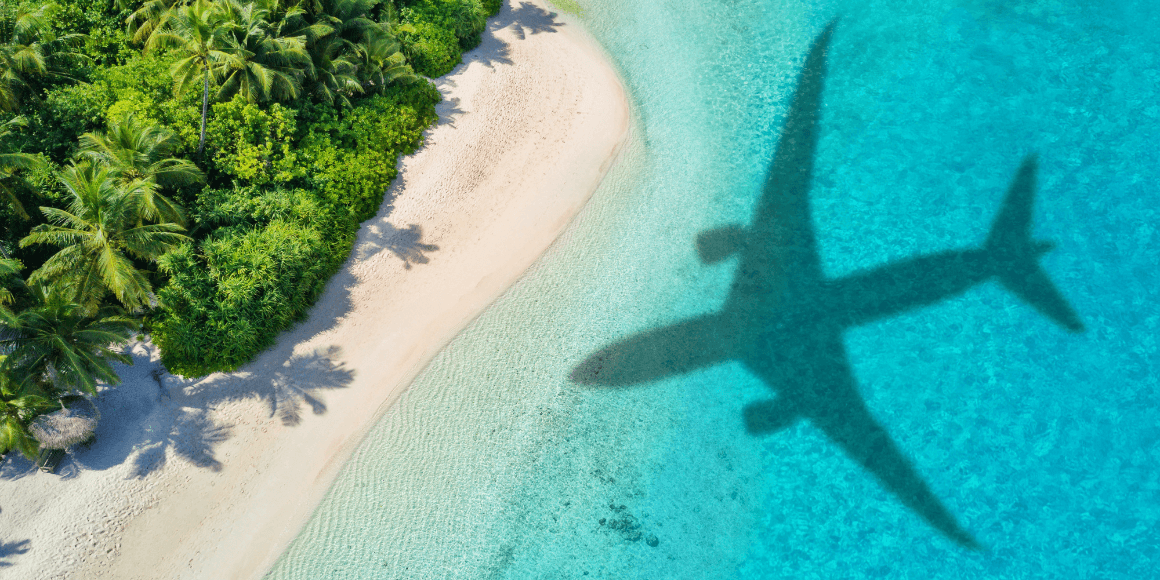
(1010, 242)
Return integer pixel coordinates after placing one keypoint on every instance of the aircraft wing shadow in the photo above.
(655, 354)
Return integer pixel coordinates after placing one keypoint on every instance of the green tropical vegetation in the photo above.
(195, 170)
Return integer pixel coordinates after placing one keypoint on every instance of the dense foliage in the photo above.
(196, 169)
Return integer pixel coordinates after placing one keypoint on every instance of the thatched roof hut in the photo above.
(67, 427)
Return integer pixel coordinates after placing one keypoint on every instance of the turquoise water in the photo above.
(985, 421)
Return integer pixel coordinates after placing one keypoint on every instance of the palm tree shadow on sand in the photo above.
(287, 388)
(10, 549)
(784, 320)
(149, 423)
(178, 422)
(524, 20)
(405, 243)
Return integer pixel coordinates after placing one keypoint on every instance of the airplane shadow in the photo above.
(784, 320)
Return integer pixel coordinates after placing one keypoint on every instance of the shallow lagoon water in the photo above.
(1042, 443)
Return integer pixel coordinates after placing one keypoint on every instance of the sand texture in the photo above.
(212, 478)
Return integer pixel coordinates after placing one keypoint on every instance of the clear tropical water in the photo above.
(1041, 444)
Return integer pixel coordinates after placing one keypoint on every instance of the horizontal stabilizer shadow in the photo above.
(784, 320)
(1010, 241)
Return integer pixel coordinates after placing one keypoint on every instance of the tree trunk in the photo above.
(204, 107)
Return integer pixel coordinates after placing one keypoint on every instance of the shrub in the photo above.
(431, 50)
(103, 25)
(434, 33)
(228, 297)
(286, 188)
(272, 251)
(142, 85)
(351, 155)
(65, 114)
(253, 145)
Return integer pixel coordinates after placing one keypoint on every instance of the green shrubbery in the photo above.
(251, 145)
(273, 249)
(141, 85)
(103, 25)
(307, 107)
(435, 33)
(229, 295)
(351, 154)
(432, 50)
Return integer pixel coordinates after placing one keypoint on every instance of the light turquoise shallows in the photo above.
(1042, 444)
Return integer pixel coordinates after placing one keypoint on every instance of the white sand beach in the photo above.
(212, 478)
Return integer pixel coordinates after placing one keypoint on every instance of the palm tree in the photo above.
(341, 29)
(288, 18)
(349, 20)
(146, 18)
(17, 410)
(30, 50)
(134, 150)
(8, 269)
(10, 163)
(383, 63)
(102, 228)
(200, 32)
(56, 346)
(335, 71)
(263, 64)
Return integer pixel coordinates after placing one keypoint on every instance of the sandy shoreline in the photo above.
(213, 478)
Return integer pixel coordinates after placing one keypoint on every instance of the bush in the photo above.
(287, 185)
(434, 33)
(351, 155)
(253, 145)
(102, 23)
(272, 251)
(65, 114)
(431, 50)
(229, 297)
(142, 85)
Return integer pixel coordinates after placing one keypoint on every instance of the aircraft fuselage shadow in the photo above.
(784, 320)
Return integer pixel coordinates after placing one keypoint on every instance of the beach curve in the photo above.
(529, 125)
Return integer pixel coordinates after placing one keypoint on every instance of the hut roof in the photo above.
(68, 426)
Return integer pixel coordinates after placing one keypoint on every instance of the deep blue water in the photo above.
(1040, 443)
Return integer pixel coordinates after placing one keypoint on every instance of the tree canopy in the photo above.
(192, 169)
